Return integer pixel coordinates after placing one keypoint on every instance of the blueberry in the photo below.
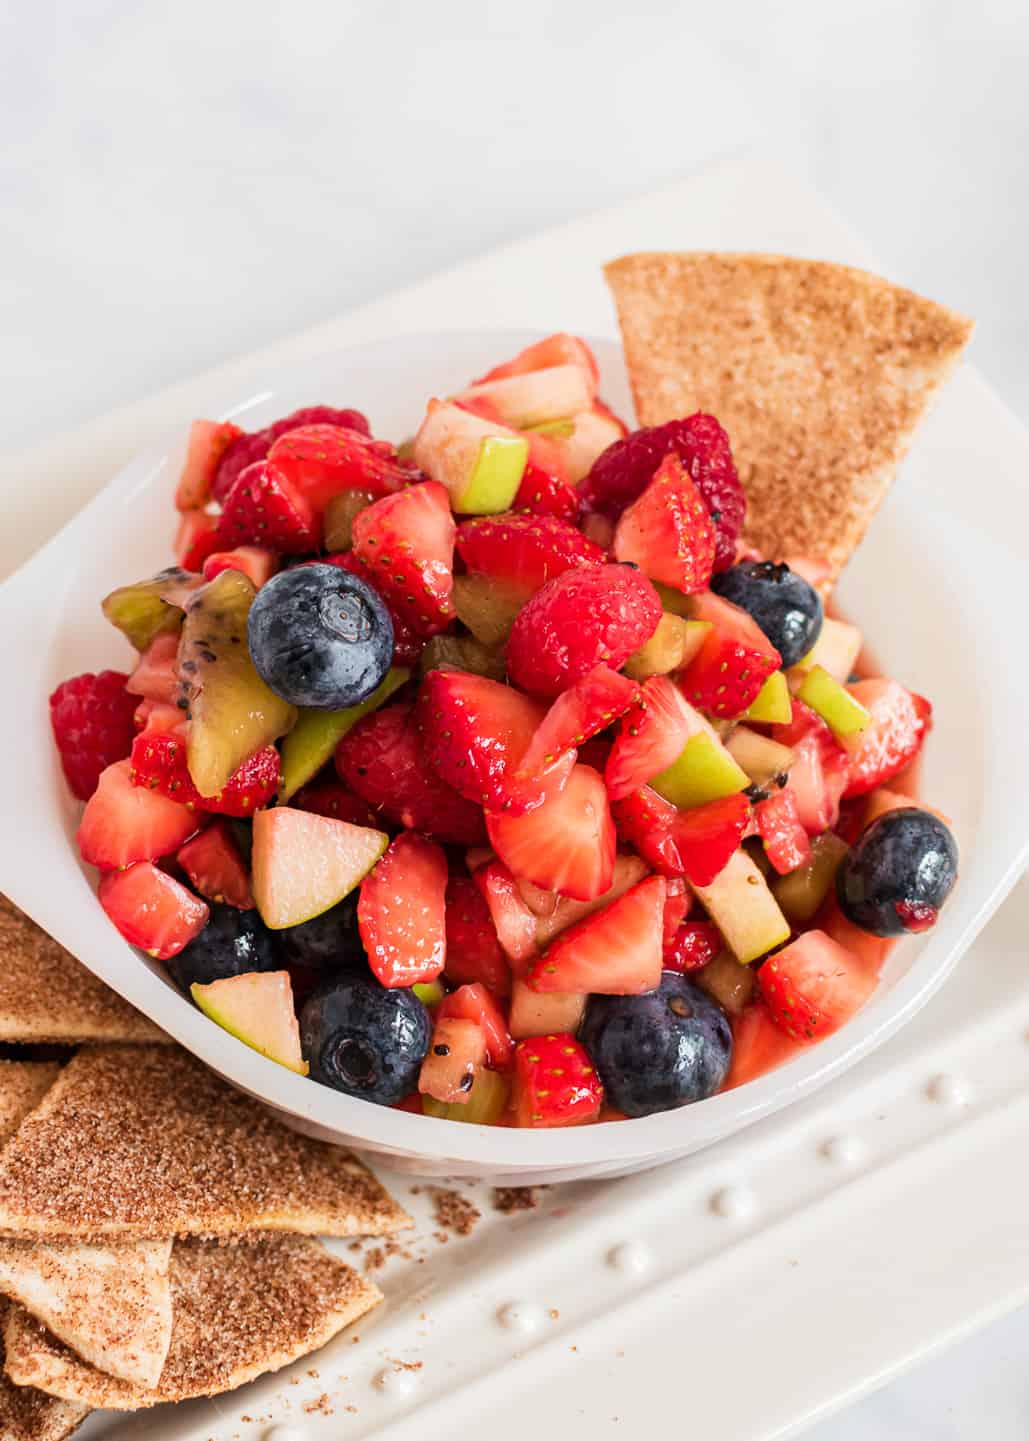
(897, 877)
(363, 1039)
(785, 606)
(331, 942)
(231, 943)
(659, 1050)
(320, 637)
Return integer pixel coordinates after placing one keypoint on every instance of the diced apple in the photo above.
(705, 771)
(761, 757)
(663, 652)
(304, 863)
(836, 650)
(536, 1014)
(772, 704)
(592, 433)
(481, 462)
(842, 712)
(627, 871)
(744, 910)
(802, 891)
(484, 1104)
(256, 1008)
(731, 983)
(487, 607)
(535, 397)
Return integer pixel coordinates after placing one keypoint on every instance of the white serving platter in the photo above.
(777, 1274)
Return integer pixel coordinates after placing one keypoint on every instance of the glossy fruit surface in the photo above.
(152, 910)
(365, 1040)
(785, 606)
(93, 721)
(232, 943)
(898, 876)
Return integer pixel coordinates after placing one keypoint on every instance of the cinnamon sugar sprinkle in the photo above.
(453, 1212)
(510, 1199)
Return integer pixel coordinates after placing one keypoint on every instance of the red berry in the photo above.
(819, 771)
(152, 910)
(256, 564)
(567, 844)
(382, 761)
(697, 843)
(473, 950)
(208, 442)
(733, 663)
(558, 349)
(156, 676)
(264, 509)
(678, 903)
(668, 532)
(785, 839)
(215, 867)
(514, 922)
(578, 714)
(524, 551)
(248, 449)
(330, 798)
(615, 951)
(694, 944)
(555, 1083)
(401, 912)
(597, 615)
(901, 720)
(623, 471)
(813, 986)
(196, 538)
(159, 764)
(407, 644)
(123, 823)
(475, 1003)
(544, 489)
(652, 735)
(93, 720)
(406, 543)
(321, 461)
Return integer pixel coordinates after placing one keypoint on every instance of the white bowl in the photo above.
(937, 589)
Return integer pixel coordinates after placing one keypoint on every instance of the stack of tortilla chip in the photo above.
(156, 1227)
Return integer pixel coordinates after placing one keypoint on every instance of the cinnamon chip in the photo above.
(29, 1415)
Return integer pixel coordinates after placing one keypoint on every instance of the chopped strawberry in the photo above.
(208, 442)
(901, 720)
(156, 715)
(567, 844)
(93, 720)
(616, 951)
(320, 461)
(524, 551)
(818, 775)
(734, 662)
(475, 1003)
(513, 920)
(407, 644)
(555, 1083)
(543, 491)
(197, 537)
(473, 950)
(330, 798)
(594, 615)
(758, 1046)
(695, 943)
(152, 910)
(123, 823)
(476, 733)
(382, 761)
(401, 912)
(456, 1053)
(156, 676)
(590, 706)
(870, 950)
(256, 563)
(558, 349)
(263, 509)
(159, 765)
(256, 445)
(651, 736)
(678, 904)
(406, 541)
(784, 838)
(813, 986)
(668, 531)
(215, 867)
(697, 843)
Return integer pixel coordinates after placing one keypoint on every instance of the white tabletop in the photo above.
(183, 183)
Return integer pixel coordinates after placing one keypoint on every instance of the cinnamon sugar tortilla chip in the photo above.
(239, 1311)
(47, 995)
(142, 1143)
(30, 1415)
(819, 373)
(23, 1084)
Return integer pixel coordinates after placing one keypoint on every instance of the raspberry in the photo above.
(621, 473)
(255, 445)
(93, 721)
(593, 615)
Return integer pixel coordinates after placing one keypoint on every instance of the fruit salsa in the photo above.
(492, 776)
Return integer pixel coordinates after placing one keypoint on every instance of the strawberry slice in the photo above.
(678, 904)
(695, 944)
(263, 509)
(820, 768)
(734, 662)
(567, 844)
(456, 1054)
(557, 349)
(784, 838)
(697, 843)
(382, 761)
(255, 563)
(514, 921)
(123, 823)
(330, 798)
(475, 1003)
(476, 733)
(156, 676)
(901, 720)
(813, 986)
(152, 910)
(401, 913)
(406, 541)
(159, 764)
(208, 442)
(668, 531)
(196, 538)
(543, 493)
(320, 461)
(758, 1046)
(407, 644)
(616, 951)
(524, 551)
(651, 736)
(473, 950)
(215, 867)
(578, 714)
(555, 1083)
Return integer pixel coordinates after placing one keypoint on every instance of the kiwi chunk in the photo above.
(149, 608)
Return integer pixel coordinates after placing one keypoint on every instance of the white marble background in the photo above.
(183, 181)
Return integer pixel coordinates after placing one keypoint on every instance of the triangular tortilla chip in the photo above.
(140, 1143)
(30, 1415)
(110, 1304)
(23, 1084)
(819, 373)
(240, 1311)
(47, 995)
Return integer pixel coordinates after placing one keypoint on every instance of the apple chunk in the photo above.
(536, 397)
(481, 462)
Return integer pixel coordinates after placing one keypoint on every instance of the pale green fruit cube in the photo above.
(486, 1103)
(761, 757)
(743, 908)
(771, 705)
(842, 712)
(705, 771)
(495, 478)
(801, 893)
